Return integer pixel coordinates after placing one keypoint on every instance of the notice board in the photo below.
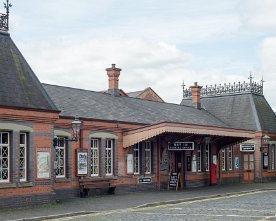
(174, 181)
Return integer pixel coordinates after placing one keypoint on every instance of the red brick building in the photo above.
(135, 143)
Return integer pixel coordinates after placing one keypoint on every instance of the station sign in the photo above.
(181, 146)
(247, 147)
(144, 180)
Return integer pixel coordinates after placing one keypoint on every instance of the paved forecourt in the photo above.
(122, 201)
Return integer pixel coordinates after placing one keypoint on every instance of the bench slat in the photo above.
(87, 184)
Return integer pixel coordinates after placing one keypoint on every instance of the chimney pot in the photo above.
(113, 74)
(196, 91)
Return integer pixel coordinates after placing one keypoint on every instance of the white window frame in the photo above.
(23, 145)
(223, 163)
(148, 157)
(8, 157)
(94, 148)
(62, 148)
(136, 159)
(199, 159)
(109, 152)
(230, 158)
(207, 157)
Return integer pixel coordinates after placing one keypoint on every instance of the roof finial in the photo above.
(7, 6)
(262, 81)
(183, 85)
(4, 18)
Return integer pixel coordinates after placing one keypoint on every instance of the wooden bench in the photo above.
(96, 183)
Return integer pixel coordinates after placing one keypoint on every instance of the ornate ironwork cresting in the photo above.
(235, 88)
(4, 18)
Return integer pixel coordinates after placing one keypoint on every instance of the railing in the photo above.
(3, 22)
(4, 18)
(235, 88)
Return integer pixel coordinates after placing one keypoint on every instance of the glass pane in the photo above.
(61, 142)
(60, 162)
(251, 165)
(22, 138)
(5, 138)
(245, 162)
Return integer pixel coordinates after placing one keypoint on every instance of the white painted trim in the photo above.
(249, 141)
(15, 127)
(103, 135)
(62, 133)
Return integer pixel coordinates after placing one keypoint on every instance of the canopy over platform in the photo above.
(138, 135)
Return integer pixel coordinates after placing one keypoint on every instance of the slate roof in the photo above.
(19, 87)
(266, 116)
(245, 111)
(134, 93)
(97, 105)
(143, 94)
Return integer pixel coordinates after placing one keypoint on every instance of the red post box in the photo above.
(213, 174)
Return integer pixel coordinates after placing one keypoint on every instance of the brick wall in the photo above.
(39, 128)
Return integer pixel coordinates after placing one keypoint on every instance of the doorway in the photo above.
(178, 162)
(179, 166)
(248, 167)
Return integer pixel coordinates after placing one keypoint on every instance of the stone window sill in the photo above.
(25, 184)
(63, 180)
(7, 185)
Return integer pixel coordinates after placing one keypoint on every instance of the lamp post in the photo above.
(76, 126)
(266, 140)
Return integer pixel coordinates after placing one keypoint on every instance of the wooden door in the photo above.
(248, 167)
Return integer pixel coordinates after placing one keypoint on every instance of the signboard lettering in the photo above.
(236, 162)
(247, 147)
(82, 163)
(181, 146)
(130, 163)
(174, 181)
(43, 164)
(144, 180)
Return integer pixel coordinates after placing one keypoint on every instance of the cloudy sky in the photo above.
(157, 43)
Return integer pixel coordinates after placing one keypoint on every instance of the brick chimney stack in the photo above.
(113, 79)
(196, 95)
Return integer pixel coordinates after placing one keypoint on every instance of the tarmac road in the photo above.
(260, 205)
